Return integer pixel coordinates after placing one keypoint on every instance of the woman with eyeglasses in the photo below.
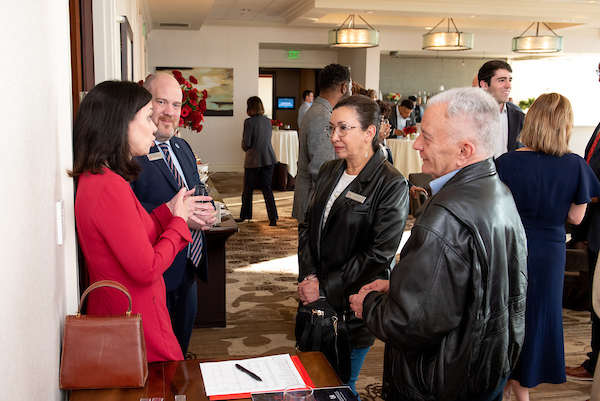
(353, 223)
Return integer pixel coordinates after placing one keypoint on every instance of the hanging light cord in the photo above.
(449, 20)
(537, 29)
(350, 21)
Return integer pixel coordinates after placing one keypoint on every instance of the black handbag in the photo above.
(319, 327)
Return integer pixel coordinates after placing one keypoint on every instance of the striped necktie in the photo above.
(592, 148)
(196, 248)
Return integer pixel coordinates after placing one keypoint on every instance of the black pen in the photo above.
(246, 371)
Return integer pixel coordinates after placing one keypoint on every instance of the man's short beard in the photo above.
(162, 136)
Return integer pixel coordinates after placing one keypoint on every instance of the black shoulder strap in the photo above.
(334, 290)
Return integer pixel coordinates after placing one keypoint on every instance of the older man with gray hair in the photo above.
(452, 313)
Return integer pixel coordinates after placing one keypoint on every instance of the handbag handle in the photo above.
(105, 283)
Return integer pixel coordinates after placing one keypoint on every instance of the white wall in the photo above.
(107, 40)
(576, 79)
(222, 47)
(38, 284)
(278, 58)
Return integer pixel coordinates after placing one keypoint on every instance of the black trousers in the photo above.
(182, 304)
(264, 175)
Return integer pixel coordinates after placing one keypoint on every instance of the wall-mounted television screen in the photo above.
(286, 103)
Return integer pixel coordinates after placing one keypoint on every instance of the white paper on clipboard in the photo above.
(277, 372)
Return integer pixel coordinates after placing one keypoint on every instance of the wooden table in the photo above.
(167, 379)
(406, 159)
(285, 146)
(211, 295)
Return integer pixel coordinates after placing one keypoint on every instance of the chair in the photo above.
(421, 180)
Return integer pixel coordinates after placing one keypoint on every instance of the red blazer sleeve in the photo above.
(144, 245)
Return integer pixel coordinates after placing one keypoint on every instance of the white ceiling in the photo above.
(475, 16)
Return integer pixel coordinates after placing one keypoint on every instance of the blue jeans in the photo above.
(357, 358)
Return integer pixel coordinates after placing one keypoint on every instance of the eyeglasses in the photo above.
(598, 72)
(341, 130)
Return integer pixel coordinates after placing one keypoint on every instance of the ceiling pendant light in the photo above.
(537, 43)
(447, 41)
(349, 36)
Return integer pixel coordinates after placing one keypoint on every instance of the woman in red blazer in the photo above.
(119, 239)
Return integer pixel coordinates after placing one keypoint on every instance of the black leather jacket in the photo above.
(360, 239)
(454, 318)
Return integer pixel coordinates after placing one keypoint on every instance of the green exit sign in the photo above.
(293, 54)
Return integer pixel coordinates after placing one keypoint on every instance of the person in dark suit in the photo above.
(157, 184)
(399, 115)
(495, 77)
(590, 230)
(260, 160)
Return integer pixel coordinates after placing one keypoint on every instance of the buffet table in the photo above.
(211, 295)
(285, 146)
(406, 159)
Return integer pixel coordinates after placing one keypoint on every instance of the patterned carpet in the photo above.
(261, 299)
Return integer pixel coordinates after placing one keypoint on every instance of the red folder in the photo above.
(297, 363)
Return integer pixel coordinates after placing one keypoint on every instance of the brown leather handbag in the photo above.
(103, 351)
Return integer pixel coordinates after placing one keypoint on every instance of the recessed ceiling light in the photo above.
(246, 10)
(473, 16)
(370, 12)
(429, 28)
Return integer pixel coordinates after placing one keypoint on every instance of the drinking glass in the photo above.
(298, 393)
(202, 190)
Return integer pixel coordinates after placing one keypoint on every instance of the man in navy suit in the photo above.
(495, 77)
(157, 184)
(590, 230)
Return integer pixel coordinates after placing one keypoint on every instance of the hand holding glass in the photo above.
(202, 190)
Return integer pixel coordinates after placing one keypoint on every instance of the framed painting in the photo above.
(218, 83)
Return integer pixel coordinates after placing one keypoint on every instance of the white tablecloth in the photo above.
(285, 146)
(406, 159)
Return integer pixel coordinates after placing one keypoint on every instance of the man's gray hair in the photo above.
(477, 117)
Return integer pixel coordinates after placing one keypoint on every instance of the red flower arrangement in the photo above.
(276, 123)
(411, 129)
(193, 105)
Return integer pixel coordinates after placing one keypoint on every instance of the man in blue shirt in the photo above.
(452, 312)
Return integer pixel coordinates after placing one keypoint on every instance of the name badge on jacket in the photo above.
(155, 156)
(355, 197)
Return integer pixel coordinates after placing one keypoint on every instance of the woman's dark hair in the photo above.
(367, 113)
(100, 134)
(384, 108)
(255, 106)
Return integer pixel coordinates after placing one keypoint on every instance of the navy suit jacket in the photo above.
(515, 125)
(155, 186)
(591, 223)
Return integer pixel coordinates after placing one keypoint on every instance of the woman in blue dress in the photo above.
(551, 186)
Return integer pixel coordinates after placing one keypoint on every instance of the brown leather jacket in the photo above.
(454, 318)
